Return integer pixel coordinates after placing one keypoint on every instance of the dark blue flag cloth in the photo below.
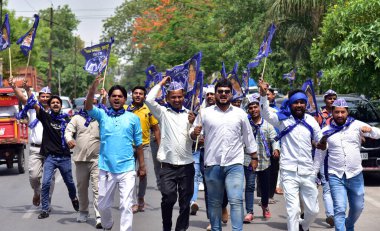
(291, 76)
(223, 72)
(27, 40)
(234, 78)
(5, 40)
(187, 72)
(152, 78)
(97, 57)
(245, 81)
(265, 49)
(319, 76)
(312, 106)
(198, 92)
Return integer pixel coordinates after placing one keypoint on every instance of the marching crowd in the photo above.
(285, 148)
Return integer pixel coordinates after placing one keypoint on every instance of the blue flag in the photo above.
(312, 106)
(5, 40)
(245, 81)
(27, 40)
(265, 49)
(97, 57)
(234, 78)
(291, 76)
(152, 78)
(187, 72)
(223, 71)
(319, 77)
(196, 94)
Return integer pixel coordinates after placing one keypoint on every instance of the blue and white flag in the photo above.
(27, 40)
(245, 81)
(311, 107)
(97, 57)
(265, 49)
(196, 94)
(187, 72)
(234, 78)
(291, 76)
(5, 40)
(152, 79)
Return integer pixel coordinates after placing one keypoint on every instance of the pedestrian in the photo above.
(36, 160)
(120, 133)
(343, 137)
(226, 130)
(148, 123)
(177, 169)
(82, 135)
(264, 134)
(298, 131)
(324, 118)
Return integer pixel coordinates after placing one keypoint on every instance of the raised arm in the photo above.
(17, 91)
(266, 113)
(91, 93)
(150, 101)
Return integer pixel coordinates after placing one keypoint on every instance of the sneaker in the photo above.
(75, 203)
(330, 221)
(266, 212)
(36, 199)
(201, 187)
(208, 227)
(98, 224)
(248, 218)
(43, 215)
(82, 217)
(224, 215)
(194, 208)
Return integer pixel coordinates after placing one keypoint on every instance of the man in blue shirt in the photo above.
(120, 133)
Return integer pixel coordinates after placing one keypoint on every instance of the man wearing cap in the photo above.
(297, 132)
(86, 146)
(324, 118)
(36, 160)
(343, 137)
(175, 154)
(120, 134)
(227, 133)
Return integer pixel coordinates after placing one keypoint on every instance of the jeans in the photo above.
(197, 175)
(327, 200)
(230, 178)
(63, 163)
(157, 165)
(343, 189)
(250, 179)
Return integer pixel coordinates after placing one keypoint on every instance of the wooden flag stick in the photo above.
(265, 63)
(196, 143)
(10, 63)
(104, 76)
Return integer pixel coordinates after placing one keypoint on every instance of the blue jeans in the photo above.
(197, 175)
(230, 178)
(327, 200)
(341, 190)
(250, 180)
(63, 163)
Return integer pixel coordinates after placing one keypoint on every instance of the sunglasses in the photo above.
(224, 91)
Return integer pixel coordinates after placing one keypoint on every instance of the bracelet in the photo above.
(254, 158)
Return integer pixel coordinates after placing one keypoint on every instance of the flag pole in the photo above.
(196, 143)
(27, 64)
(10, 63)
(104, 76)
(265, 63)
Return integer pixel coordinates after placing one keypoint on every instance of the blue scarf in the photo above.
(289, 128)
(61, 118)
(285, 111)
(167, 105)
(29, 105)
(262, 136)
(85, 115)
(335, 128)
(111, 112)
(132, 108)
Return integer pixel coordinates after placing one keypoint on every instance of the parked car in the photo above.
(79, 103)
(67, 106)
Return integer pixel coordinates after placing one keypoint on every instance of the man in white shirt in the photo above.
(174, 153)
(227, 131)
(343, 140)
(297, 132)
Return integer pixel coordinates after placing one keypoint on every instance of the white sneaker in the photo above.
(82, 217)
(201, 187)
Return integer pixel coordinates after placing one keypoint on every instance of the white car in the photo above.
(67, 106)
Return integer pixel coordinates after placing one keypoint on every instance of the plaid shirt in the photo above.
(270, 133)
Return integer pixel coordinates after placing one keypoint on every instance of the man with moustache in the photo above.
(175, 154)
(227, 132)
(343, 141)
(120, 134)
(297, 132)
(148, 123)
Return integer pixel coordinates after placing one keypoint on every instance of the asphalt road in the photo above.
(17, 212)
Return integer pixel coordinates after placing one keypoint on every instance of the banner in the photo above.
(187, 72)
(27, 40)
(311, 106)
(152, 78)
(97, 57)
(5, 41)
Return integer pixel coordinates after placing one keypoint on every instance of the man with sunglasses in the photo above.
(227, 131)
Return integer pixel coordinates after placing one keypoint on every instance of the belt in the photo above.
(35, 145)
(167, 165)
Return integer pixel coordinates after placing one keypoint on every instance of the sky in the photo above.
(89, 12)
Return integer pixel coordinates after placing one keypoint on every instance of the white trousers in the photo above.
(107, 185)
(296, 186)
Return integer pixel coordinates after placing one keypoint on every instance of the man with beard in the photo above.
(227, 132)
(86, 146)
(297, 132)
(343, 139)
(177, 169)
(120, 133)
(148, 122)
(264, 134)
(36, 160)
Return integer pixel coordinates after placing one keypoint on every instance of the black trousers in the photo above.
(176, 181)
